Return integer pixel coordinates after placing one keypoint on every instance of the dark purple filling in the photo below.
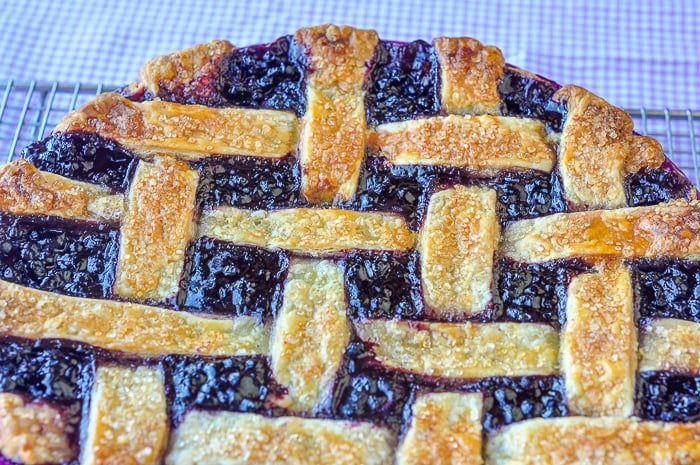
(266, 76)
(383, 284)
(249, 182)
(666, 396)
(652, 186)
(83, 156)
(365, 391)
(509, 400)
(531, 96)
(533, 292)
(527, 194)
(406, 190)
(238, 384)
(53, 254)
(229, 279)
(403, 83)
(667, 289)
(369, 394)
(47, 369)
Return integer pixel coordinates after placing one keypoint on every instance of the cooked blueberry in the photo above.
(665, 396)
(668, 289)
(383, 284)
(509, 400)
(249, 182)
(230, 279)
(527, 194)
(363, 393)
(533, 292)
(83, 156)
(652, 186)
(403, 83)
(531, 96)
(66, 256)
(266, 76)
(46, 370)
(237, 384)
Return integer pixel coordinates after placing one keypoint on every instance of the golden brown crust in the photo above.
(185, 131)
(469, 75)
(445, 429)
(670, 344)
(457, 244)
(25, 190)
(123, 326)
(33, 433)
(594, 441)
(333, 134)
(599, 343)
(475, 142)
(338, 55)
(128, 420)
(173, 76)
(597, 149)
(317, 232)
(475, 350)
(665, 230)
(310, 333)
(227, 437)
(155, 230)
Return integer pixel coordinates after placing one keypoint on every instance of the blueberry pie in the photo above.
(335, 249)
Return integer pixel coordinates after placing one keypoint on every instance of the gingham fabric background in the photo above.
(634, 53)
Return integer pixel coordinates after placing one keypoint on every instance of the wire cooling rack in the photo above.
(30, 109)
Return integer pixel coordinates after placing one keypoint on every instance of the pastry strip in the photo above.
(445, 429)
(599, 343)
(310, 333)
(664, 230)
(332, 144)
(457, 244)
(670, 344)
(469, 75)
(307, 230)
(226, 437)
(476, 350)
(24, 190)
(185, 131)
(608, 440)
(156, 229)
(123, 326)
(128, 420)
(473, 142)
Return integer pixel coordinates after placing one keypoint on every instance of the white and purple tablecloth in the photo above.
(633, 53)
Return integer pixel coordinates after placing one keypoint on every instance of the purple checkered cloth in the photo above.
(633, 53)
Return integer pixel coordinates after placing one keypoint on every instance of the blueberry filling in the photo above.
(527, 194)
(508, 400)
(53, 254)
(666, 396)
(363, 393)
(233, 280)
(403, 83)
(667, 289)
(533, 292)
(652, 186)
(266, 76)
(238, 384)
(83, 156)
(531, 96)
(383, 284)
(249, 182)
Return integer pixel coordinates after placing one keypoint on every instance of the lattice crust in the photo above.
(396, 251)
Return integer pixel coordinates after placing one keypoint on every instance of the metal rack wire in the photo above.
(29, 109)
